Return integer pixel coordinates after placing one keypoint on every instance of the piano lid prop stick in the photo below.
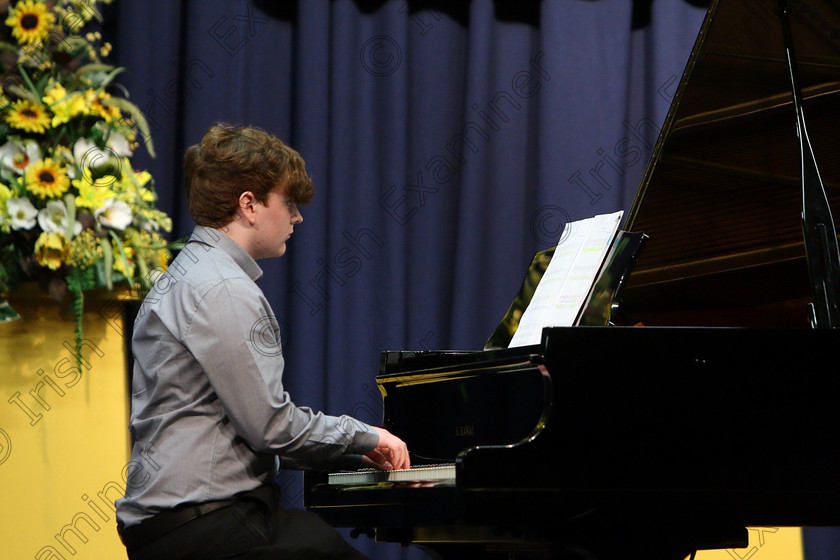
(818, 229)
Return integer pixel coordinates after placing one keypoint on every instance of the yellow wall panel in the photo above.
(63, 431)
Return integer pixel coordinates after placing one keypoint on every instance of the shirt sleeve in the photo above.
(234, 336)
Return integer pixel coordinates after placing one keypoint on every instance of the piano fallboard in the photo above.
(455, 400)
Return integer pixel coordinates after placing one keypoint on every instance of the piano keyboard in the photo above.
(423, 473)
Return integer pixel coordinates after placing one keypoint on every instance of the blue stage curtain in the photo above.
(448, 142)
(821, 543)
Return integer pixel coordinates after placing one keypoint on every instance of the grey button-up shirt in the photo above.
(209, 416)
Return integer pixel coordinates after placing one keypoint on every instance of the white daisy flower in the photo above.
(23, 214)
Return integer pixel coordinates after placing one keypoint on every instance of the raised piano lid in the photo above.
(720, 198)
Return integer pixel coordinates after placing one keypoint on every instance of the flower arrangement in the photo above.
(74, 214)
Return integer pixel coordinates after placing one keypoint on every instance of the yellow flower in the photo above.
(93, 195)
(78, 13)
(132, 184)
(63, 106)
(5, 194)
(146, 195)
(151, 219)
(28, 116)
(30, 22)
(119, 262)
(153, 246)
(141, 177)
(163, 257)
(97, 104)
(47, 179)
(51, 250)
(54, 93)
(85, 250)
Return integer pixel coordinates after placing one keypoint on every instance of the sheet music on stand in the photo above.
(564, 287)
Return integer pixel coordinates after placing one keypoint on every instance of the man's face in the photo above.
(275, 222)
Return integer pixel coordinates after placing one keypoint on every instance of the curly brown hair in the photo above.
(230, 160)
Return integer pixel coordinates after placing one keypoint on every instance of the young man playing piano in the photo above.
(209, 416)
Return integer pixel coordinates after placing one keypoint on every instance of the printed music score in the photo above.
(573, 269)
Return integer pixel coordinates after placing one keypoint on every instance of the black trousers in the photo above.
(255, 526)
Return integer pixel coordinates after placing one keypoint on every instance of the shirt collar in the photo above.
(215, 238)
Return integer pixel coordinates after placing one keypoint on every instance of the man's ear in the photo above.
(247, 201)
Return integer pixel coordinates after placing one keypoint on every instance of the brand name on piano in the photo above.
(462, 431)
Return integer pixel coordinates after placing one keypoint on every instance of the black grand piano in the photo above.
(707, 399)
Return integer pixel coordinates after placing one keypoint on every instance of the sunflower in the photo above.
(30, 22)
(28, 116)
(47, 179)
